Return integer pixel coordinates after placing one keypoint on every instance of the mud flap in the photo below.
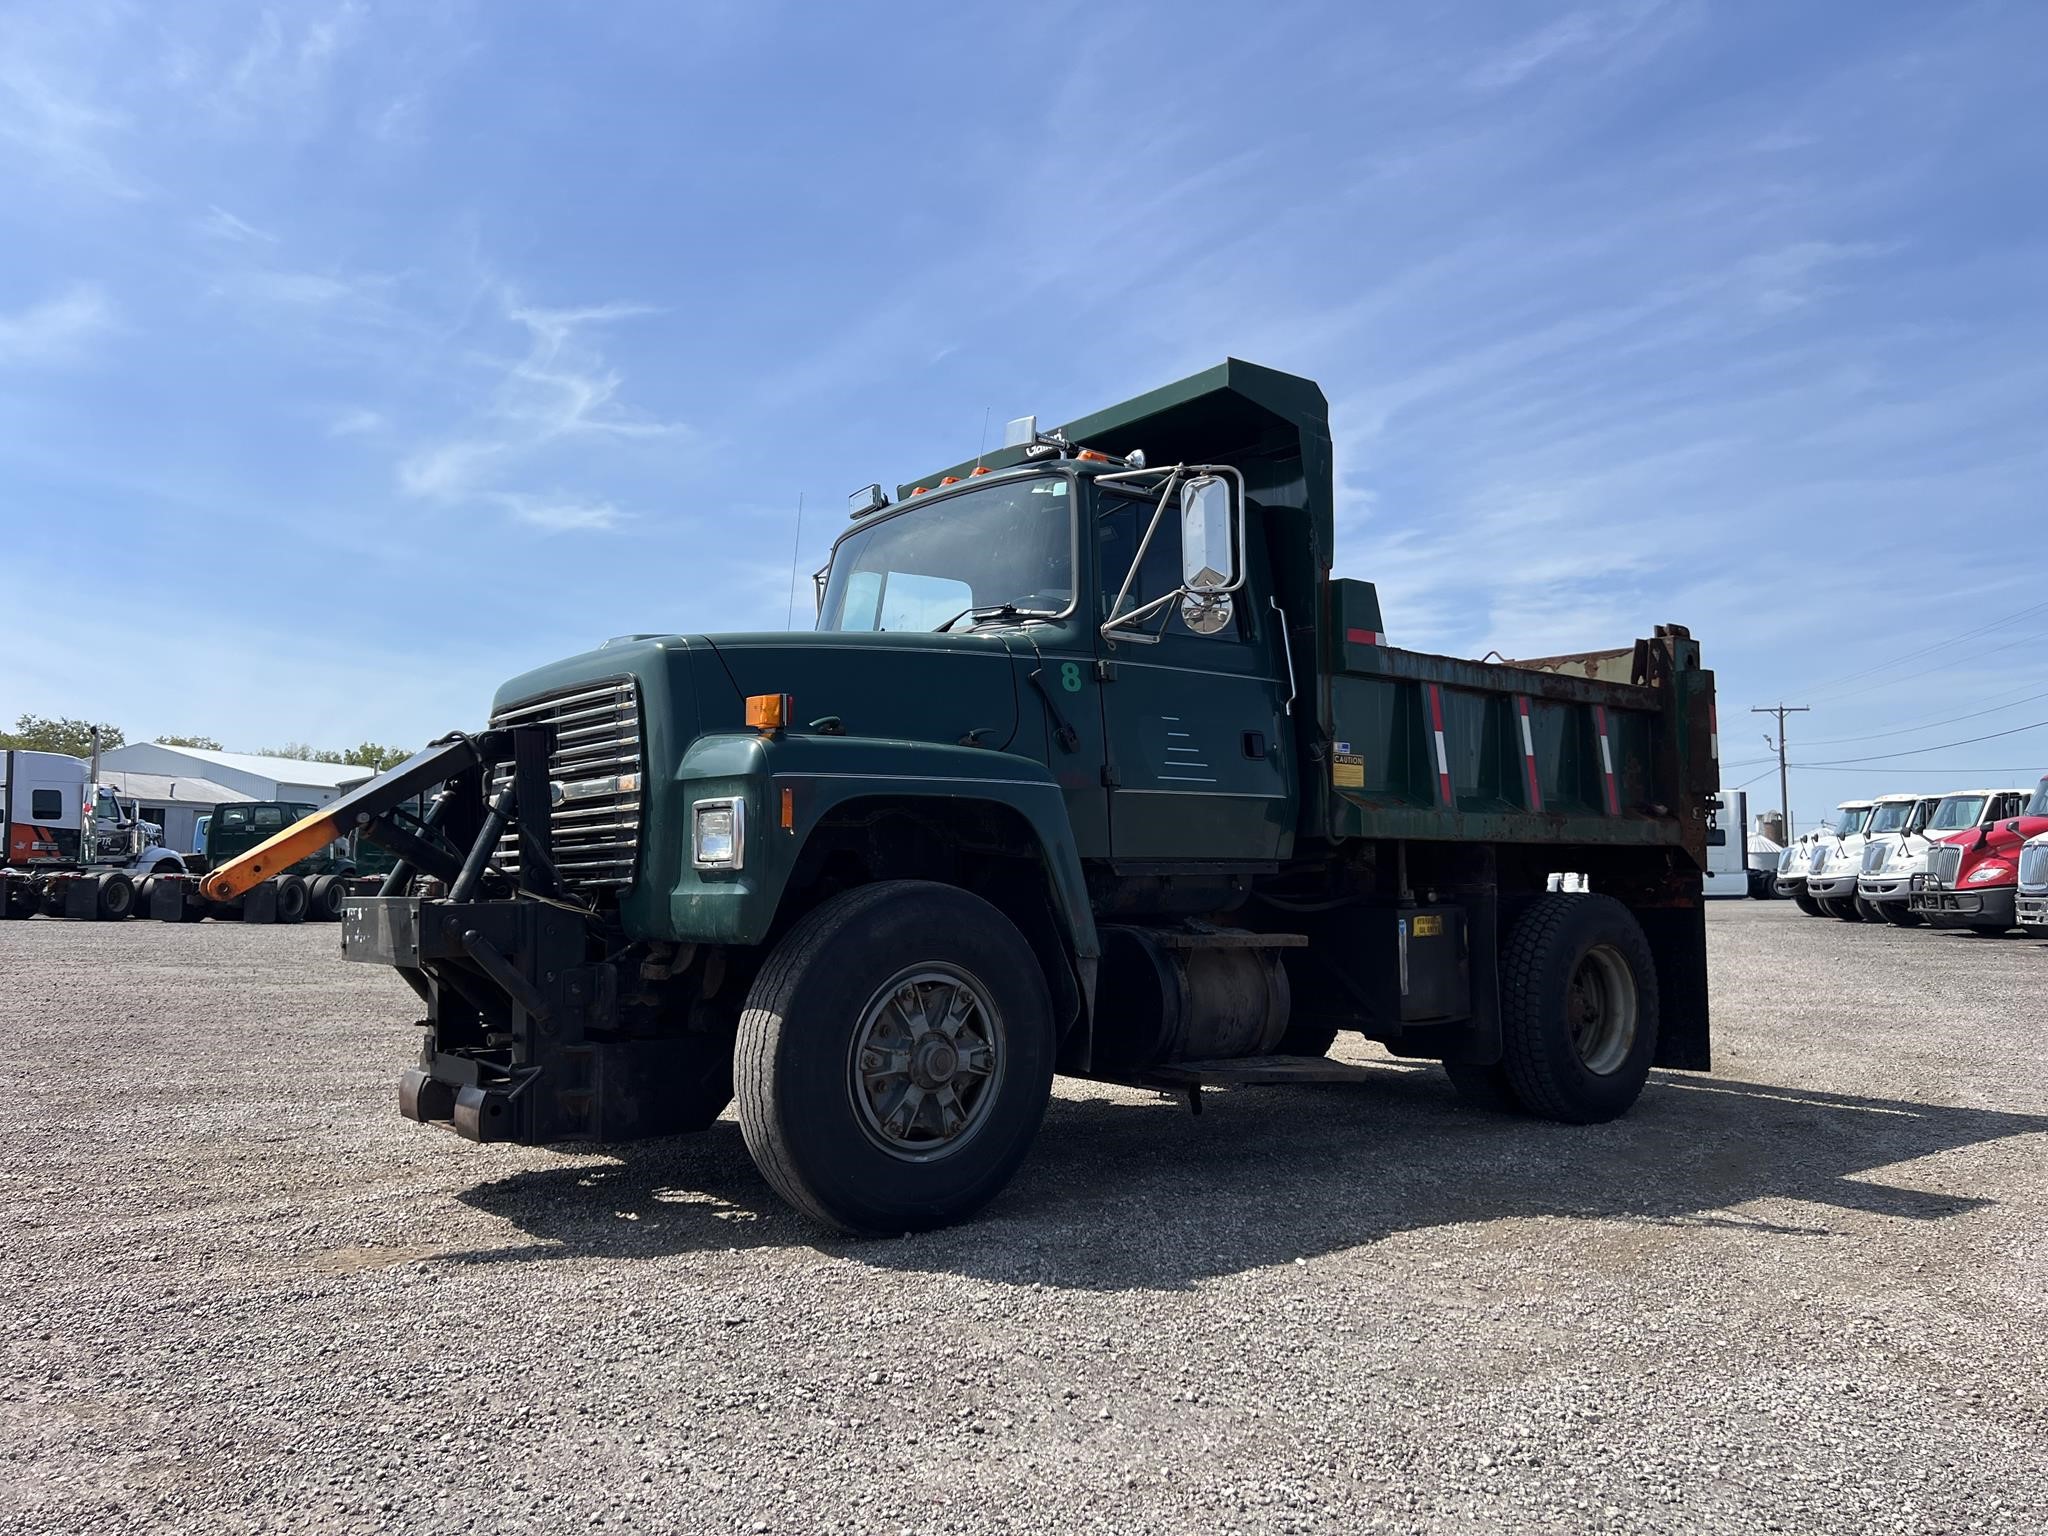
(1678, 942)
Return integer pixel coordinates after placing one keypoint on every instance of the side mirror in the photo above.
(1208, 536)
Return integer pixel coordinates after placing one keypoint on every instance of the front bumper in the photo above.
(1789, 885)
(2031, 909)
(1994, 907)
(1879, 889)
(526, 1037)
(1831, 887)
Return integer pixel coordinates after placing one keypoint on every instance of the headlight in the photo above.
(718, 834)
(1987, 872)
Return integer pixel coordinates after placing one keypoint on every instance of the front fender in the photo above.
(822, 773)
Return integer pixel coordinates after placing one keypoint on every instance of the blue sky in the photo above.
(356, 356)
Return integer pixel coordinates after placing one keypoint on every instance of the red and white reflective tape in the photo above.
(1443, 758)
(1529, 755)
(1365, 637)
(1607, 783)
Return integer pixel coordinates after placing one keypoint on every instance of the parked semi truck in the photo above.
(1821, 879)
(1972, 879)
(1891, 862)
(69, 846)
(1090, 767)
(1832, 881)
(2033, 896)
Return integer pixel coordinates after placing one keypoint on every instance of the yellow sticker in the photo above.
(1347, 770)
(1426, 927)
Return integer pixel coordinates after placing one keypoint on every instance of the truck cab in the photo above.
(1895, 826)
(1892, 818)
(68, 845)
(1891, 863)
(1832, 860)
(1089, 766)
(2033, 895)
(1972, 878)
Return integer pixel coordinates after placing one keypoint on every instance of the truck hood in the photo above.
(906, 687)
(903, 686)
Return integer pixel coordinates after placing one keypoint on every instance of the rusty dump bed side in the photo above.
(1608, 748)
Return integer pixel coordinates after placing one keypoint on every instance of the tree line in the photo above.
(39, 733)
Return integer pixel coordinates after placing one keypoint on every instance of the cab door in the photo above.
(1194, 723)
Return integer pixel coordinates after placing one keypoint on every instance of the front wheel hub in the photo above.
(926, 1061)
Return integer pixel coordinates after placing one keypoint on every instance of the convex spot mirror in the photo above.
(1208, 536)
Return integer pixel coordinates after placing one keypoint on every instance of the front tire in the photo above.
(1578, 1008)
(1807, 904)
(1899, 915)
(894, 1058)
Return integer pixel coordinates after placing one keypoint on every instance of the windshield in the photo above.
(1011, 543)
(1849, 823)
(1890, 816)
(1958, 813)
(2038, 806)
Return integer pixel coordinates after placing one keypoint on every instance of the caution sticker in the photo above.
(1425, 926)
(1347, 769)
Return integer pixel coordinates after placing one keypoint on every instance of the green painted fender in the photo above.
(823, 773)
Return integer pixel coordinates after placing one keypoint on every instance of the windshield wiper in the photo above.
(1008, 611)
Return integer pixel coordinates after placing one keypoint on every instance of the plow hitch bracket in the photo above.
(372, 807)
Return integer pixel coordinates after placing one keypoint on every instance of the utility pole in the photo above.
(1778, 746)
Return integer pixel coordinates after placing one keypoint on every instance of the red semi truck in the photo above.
(1973, 878)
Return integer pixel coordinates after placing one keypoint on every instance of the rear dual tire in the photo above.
(1579, 1013)
(894, 1058)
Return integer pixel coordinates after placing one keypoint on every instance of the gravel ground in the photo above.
(238, 1293)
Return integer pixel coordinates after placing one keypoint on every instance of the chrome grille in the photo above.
(1874, 855)
(595, 774)
(2034, 866)
(1944, 864)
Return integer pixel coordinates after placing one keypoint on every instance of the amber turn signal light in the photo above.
(767, 711)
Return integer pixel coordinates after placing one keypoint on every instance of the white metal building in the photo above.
(173, 801)
(174, 776)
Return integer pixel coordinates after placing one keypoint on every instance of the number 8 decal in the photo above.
(1070, 676)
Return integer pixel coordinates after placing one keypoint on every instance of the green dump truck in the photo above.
(1090, 767)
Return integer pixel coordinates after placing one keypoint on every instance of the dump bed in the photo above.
(1613, 747)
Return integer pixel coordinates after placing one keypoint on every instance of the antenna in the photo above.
(981, 452)
(795, 548)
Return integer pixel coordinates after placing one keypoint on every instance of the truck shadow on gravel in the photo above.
(1120, 1194)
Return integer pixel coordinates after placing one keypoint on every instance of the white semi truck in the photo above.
(2033, 897)
(72, 848)
(1820, 890)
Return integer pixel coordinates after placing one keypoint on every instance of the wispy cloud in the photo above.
(549, 409)
(223, 225)
(56, 329)
(360, 422)
(54, 122)
(1585, 34)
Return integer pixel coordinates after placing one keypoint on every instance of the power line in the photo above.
(1927, 725)
(1940, 666)
(2032, 772)
(1969, 634)
(1884, 757)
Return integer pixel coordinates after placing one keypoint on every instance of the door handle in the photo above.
(1287, 648)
